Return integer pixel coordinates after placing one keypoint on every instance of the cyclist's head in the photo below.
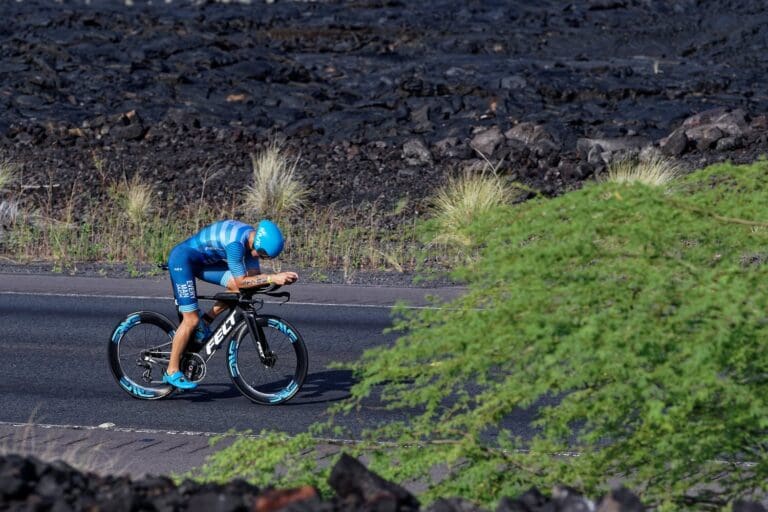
(268, 241)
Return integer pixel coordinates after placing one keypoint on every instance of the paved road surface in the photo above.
(56, 388)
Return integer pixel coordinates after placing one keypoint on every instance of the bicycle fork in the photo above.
(260, 340)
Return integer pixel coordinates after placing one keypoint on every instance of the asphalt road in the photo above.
(56, 387)
(54, 367)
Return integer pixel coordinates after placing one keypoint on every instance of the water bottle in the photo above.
(202, 331)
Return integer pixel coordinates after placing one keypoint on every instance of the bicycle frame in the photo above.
(214, 341)
(240, 309)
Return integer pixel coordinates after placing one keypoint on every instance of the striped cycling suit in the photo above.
(216, 254)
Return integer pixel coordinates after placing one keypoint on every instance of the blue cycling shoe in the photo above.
(178, 380)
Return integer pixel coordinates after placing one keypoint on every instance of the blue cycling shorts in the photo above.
(185, 264)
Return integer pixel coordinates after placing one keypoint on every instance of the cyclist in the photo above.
(226, 253)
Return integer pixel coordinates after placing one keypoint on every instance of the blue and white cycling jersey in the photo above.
(216, 254)
(226, 240)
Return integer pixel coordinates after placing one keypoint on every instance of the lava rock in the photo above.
(288, 499)
(216, 80)
(759, 123)
(355, 484)
(732, 122)
(567, 499)
(16, 476)
(614, 145)
(747, 506)
(704, 136)
(529, 134)
(513, 82)
(675, 143)
(132, 131)
(620, 500)
(452, 147)
(531, 501)
(215, 502)
(486, 141)
(30, 484)
(729, 143)
(416, 152)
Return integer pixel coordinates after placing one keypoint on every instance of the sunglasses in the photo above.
(262, 253)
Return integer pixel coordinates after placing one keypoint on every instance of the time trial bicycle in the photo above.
(266, 356)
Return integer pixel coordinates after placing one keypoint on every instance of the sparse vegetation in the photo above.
(137, 198)
(655, 172)
(8, 173)
(275, 192)
(9, 211)
(128, 226)
(463, 199)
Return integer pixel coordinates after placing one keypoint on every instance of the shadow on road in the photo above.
(319, 387)
(325, 386)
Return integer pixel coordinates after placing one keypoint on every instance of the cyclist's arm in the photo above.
(236, 255)
(280, 279)
(252, 281)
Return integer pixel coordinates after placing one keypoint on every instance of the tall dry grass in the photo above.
(9, 172)
(323, 237)
(124, 223)
(655, 171)
(138, 198)
(463, 198)
(275, 191)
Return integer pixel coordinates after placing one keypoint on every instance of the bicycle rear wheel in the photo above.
(271, 378)
(138, 354)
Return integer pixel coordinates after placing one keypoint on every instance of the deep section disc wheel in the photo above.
(139, 349)
(275, 376)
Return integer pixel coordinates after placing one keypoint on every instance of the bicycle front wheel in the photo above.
(272, 377)
(139, 349)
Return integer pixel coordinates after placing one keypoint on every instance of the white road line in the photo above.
(134, 430)
(144, 297)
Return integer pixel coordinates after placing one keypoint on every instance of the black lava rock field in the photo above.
(378, 99)
(30, 484)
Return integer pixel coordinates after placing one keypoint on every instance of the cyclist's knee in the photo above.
(190, 317)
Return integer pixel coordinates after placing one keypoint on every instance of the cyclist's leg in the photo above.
(181, 266)
(217, 273)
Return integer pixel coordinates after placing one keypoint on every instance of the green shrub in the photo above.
(627, 321)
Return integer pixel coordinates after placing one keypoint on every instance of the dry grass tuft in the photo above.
(8, 173)
(275, 191)
(138, 199)
(9, 212)
(655, 172)
(465, 197)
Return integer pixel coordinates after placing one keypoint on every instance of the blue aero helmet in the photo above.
(268, 240)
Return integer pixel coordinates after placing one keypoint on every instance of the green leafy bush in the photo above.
(627, 321)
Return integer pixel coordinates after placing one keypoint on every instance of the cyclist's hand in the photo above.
(283, 278)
